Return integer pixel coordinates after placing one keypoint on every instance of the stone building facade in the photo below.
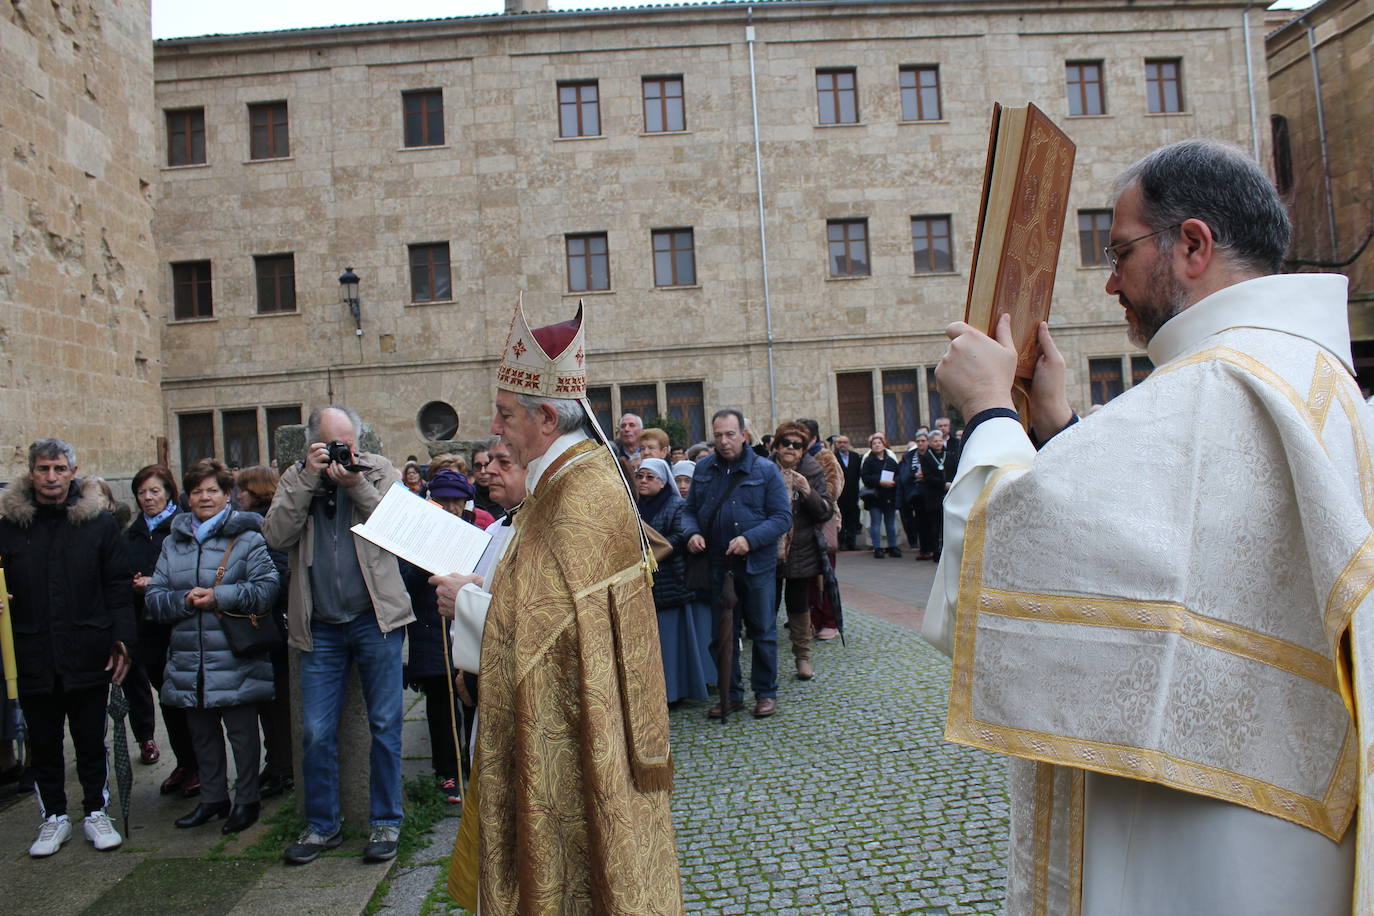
(81, 317)
(1321, 82)
(624, 158)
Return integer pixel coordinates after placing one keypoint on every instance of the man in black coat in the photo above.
(849, 496)
(73, 616)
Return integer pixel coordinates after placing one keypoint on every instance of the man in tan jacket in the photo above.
(346, 598)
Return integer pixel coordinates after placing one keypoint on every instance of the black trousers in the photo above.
(850, 524)
(443, 750)
(275, 715)
(142, 686)
(83, 712)
(241, 724)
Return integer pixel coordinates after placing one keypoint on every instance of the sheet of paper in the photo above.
(888, 476)
(417, 530)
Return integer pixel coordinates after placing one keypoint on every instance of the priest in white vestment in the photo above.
(1172, 643)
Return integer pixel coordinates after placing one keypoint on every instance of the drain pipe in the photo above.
(1250, 84)
(1321, 132)
(763, 228)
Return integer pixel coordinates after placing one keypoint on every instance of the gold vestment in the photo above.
(572, 774)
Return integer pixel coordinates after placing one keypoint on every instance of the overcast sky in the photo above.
(182, 18)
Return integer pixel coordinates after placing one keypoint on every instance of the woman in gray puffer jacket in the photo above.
(203, 675)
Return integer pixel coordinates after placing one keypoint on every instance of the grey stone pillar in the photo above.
(354, 735)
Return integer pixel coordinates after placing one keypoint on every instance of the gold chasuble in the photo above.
(572, 774)
(1176, 590)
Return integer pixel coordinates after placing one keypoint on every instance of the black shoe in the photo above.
(204, 813)
(878, 553)
(309, 845)
(381, 845)
(270, 785)
(242, 817)
(894, 552)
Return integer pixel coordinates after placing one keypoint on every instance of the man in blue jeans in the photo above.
(739, 527)
(346, 598)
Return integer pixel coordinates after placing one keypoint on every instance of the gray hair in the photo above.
(51, 448)
(570, 415)
(312, 425)
(1220, 185)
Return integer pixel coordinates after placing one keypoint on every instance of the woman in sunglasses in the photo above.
(799, 561)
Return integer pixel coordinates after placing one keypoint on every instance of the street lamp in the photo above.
(349, 281)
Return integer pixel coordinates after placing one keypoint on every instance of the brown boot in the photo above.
(804, 669)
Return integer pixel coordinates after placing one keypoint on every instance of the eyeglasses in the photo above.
(789, 443)
(478, 465)
(1113, 252)
(646, 475)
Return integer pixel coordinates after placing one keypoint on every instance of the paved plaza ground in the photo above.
(848, 801)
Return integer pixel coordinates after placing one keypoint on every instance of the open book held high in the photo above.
(1020, 225)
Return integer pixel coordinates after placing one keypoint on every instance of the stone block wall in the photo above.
(1342, 41)
(80, 310)
(504, 189)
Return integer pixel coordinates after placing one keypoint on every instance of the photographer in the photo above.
(346, 596)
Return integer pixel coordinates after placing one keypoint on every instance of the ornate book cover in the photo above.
(1020, 225)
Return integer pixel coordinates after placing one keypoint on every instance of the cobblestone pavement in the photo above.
(848, 800)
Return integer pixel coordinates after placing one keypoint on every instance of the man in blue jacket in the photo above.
(737, 509)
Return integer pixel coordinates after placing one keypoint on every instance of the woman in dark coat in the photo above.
(684, 625)
(935, 481)
(257, 485)
(801, 564)
(218, 689)
(882, 501)
(156, 493)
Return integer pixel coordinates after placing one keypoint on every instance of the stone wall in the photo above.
(80, 310)
(504, 189)
(1342, 39)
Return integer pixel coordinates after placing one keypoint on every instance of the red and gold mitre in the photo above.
(547, 362)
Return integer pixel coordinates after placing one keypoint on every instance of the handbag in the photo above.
(254, 633)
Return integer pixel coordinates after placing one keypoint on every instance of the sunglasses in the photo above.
(789, 443)
(647, 475)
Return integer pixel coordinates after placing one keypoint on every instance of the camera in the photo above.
(340, 452)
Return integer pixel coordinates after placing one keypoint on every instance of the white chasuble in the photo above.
(1165, 614)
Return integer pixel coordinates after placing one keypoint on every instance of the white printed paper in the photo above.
(415, 529)
(887, 476)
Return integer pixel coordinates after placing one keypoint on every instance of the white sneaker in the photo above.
(52, 833)
(101, 832)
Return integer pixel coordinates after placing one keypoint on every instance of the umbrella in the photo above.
(725, 642)
(830, 584)
(124, 773)
(12, 724)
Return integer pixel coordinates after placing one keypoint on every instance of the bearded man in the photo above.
(1173, 644)
(568, 811)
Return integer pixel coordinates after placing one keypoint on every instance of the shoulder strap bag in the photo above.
(250, 634)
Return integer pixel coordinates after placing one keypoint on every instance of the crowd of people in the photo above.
(170, 584)
(1147, 651)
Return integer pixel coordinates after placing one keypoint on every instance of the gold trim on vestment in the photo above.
(1247, 363)
(1161, 617)
(1077, 804)
(1150, 765)
(1320, 392)
(1350, 589)
(1362, 460)
(1044, 833)
(1329, 816)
